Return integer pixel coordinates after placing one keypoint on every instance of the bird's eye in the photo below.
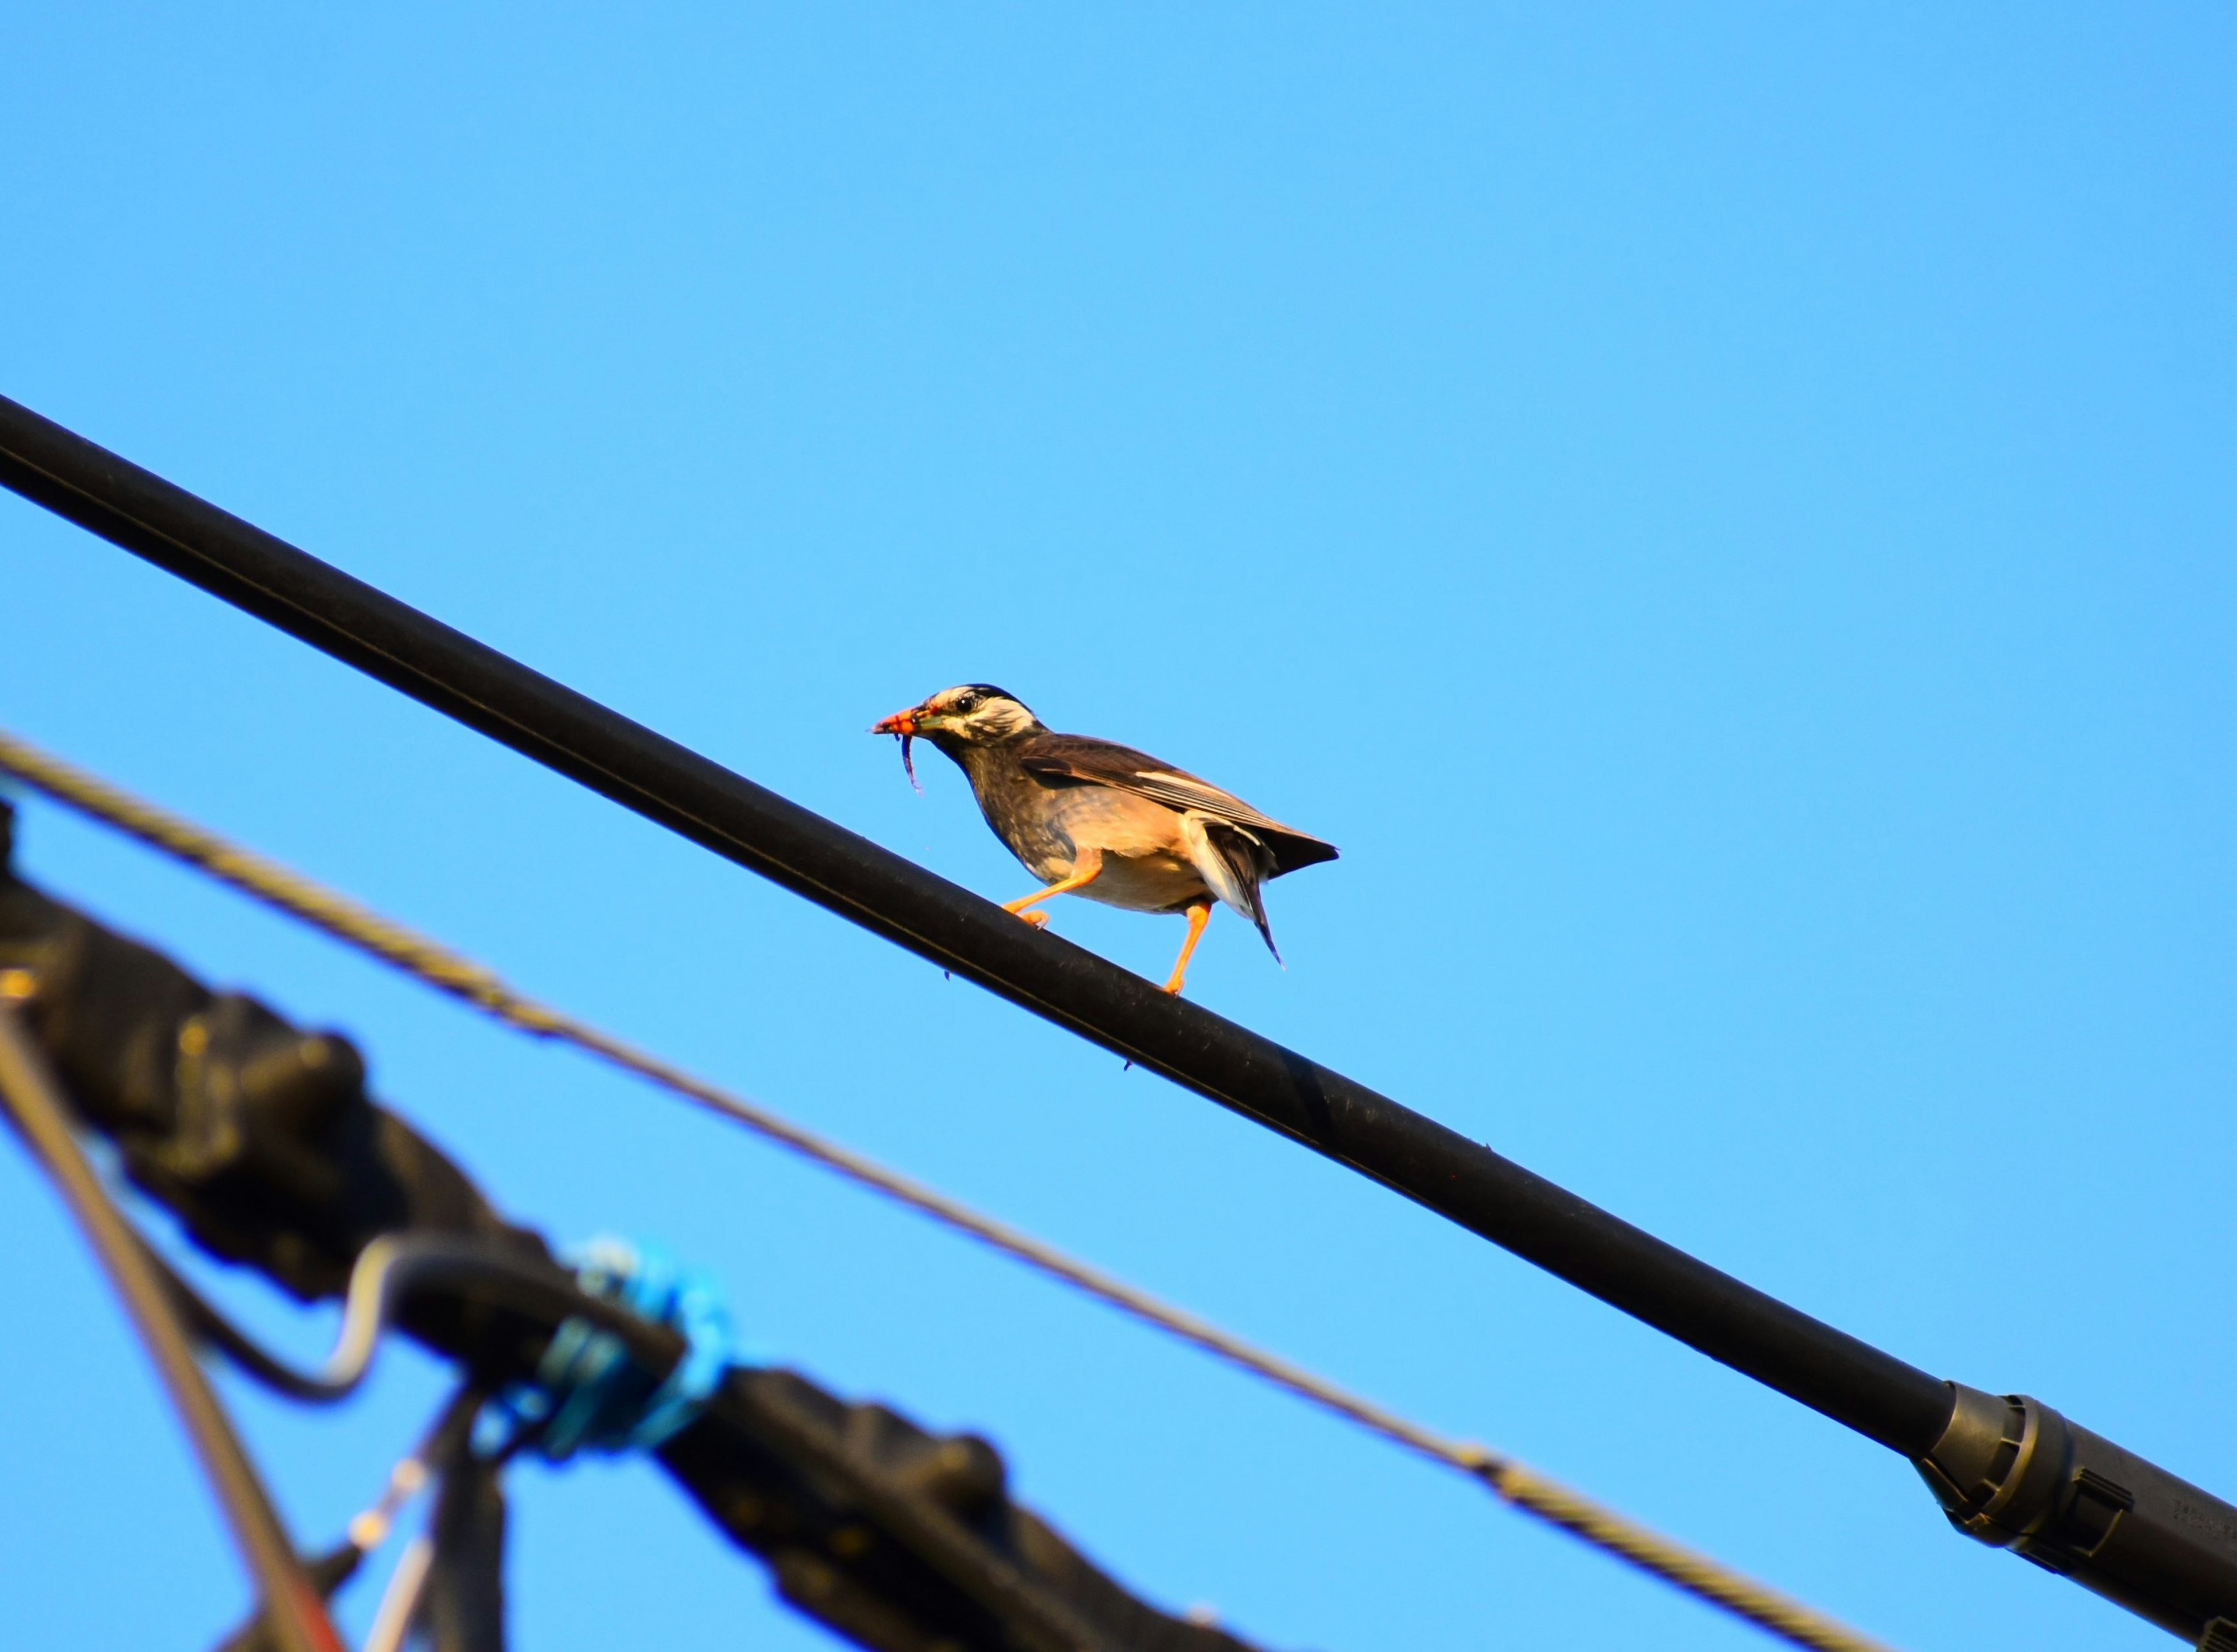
(968, 703)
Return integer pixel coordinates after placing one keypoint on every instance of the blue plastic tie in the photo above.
(587, 1392)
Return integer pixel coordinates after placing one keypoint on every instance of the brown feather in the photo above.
(1078, 759)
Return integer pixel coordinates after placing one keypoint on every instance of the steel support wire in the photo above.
(2007, 1470)
(383, 1269)
(35, 1106)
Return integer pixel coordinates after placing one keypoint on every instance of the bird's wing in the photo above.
(1075, 759)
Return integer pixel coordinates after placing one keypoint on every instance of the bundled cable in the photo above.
(587, 1394)
(259, 1139)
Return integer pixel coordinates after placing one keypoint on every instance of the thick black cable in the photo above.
(1869, 1391)
(391, 1269)
(33, 1099)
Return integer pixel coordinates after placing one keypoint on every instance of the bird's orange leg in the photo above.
(1085, 871)
(1199, 914)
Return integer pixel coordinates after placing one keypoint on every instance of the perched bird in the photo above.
(1089, 817)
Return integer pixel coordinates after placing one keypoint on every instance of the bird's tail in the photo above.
(1233, 863)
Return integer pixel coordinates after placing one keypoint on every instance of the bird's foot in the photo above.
(1199, 914)
(1039, 920)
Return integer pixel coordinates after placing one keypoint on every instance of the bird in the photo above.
(1093, 818)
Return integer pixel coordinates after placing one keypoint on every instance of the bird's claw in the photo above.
(1039, 920)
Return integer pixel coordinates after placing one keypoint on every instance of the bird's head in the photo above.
(975, 714)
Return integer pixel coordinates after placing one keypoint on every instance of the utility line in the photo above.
(1864, 1388)
(438, 966)
(34, 1100)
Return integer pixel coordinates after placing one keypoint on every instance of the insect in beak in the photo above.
(902, 725)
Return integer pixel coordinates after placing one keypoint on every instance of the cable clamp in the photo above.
(587, 1393)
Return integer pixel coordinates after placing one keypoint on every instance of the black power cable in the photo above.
(1873, 1393)
(292, 1607)
(2011, 1472)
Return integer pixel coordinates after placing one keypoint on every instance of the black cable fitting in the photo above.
(2015, 1473)
(2191, 1588)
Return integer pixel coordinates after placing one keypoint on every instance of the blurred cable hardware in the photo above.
(261, 1139)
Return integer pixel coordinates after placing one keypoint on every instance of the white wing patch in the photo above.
(1232, 862)
(1217, 872)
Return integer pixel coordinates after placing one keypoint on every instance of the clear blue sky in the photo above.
(1726, 520)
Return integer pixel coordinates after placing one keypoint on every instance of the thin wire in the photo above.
(438, 966)
(220, 1335)
(400, 1601)
(34, 1101)
(388, 1270)
(444, 1437)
